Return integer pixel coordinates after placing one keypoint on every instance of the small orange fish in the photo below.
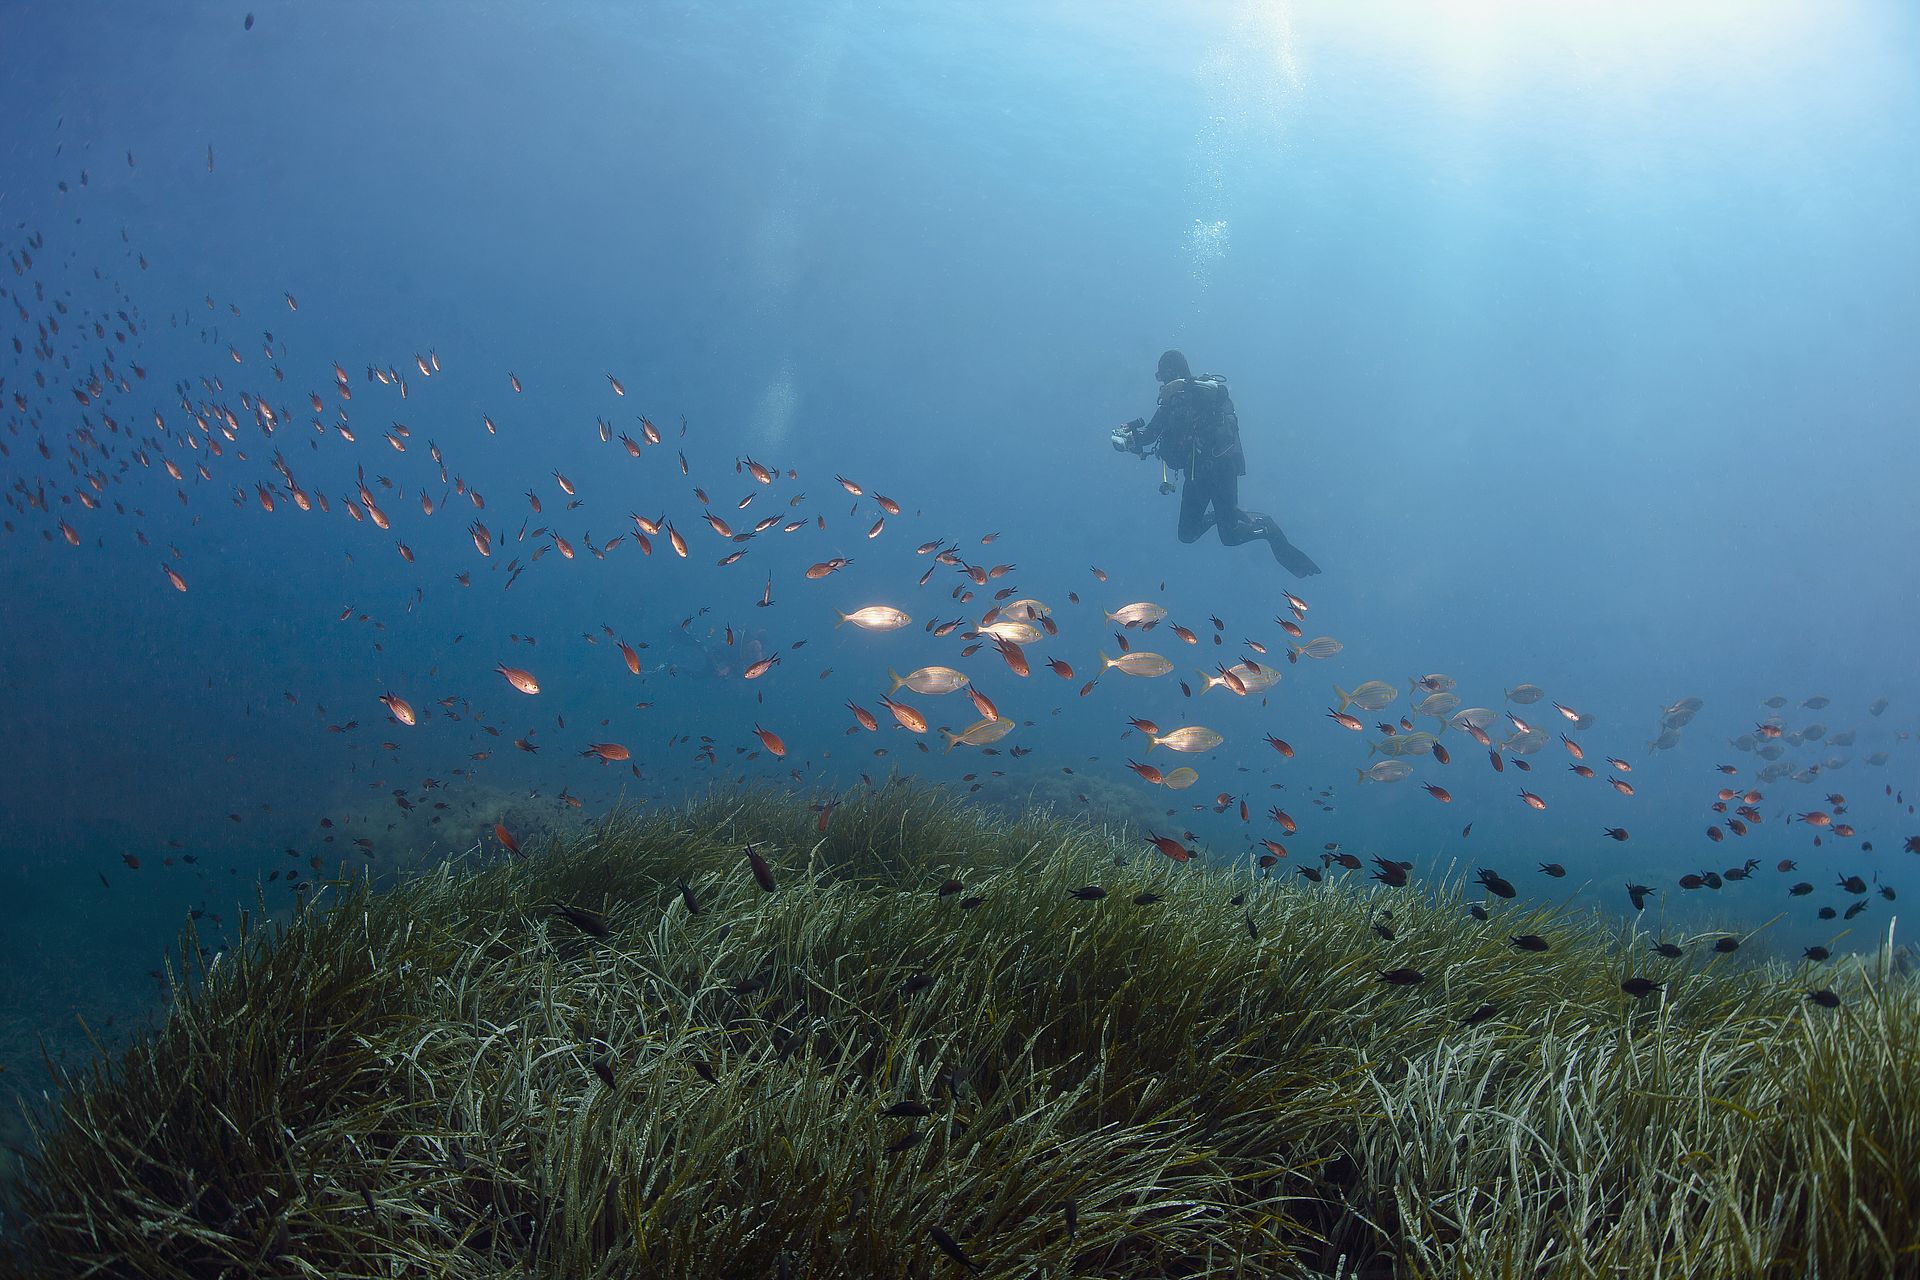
(1344, 720)
(1533, 801)
(1438, 793)
(1169, 846)
(907, 718)
(770, 740)
(608, 752)
(618, 389)
(179, 583)
(865, 717)
(400, 708)
(506, 839)
(826, 567)
(519, 679)
(633, 659)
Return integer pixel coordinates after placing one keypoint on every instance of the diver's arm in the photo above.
(1149, 436)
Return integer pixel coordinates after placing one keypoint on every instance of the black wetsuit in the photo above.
(1196, 432)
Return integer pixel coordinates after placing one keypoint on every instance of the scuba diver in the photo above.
(1195, 431)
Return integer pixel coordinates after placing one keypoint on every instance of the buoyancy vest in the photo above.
(1205, 431)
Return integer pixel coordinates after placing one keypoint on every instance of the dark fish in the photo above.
(1479, 1015)
(761, 871)
(1529, 942)
(1146, 899)
(1670, 950)
(603, 1067)
(1310, 873)
(968, 904)
(1089, 893)
(914, 1109)
(582, 919)
(1817, 953)
(1800, 890)
(1615, 833)
(1403, 977)
(911, 1138)
(1392, 874)
(686, 896)
(1824, 998)
(1726, 946)
(1553, 869)
(248, 24)
(1856, 908)
(1072, 1210)
(1853, 884)
(951, 1248)
(1478, 912)
(948, 887)
(1494, 884)
(1640, 988)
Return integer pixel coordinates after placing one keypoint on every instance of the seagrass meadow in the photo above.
(931, 1049)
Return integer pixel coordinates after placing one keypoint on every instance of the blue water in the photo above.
(1574, 342)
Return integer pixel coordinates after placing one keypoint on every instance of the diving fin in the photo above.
(1291, 558)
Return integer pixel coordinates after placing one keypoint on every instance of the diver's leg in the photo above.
(1195, 494)
(1235, 526)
